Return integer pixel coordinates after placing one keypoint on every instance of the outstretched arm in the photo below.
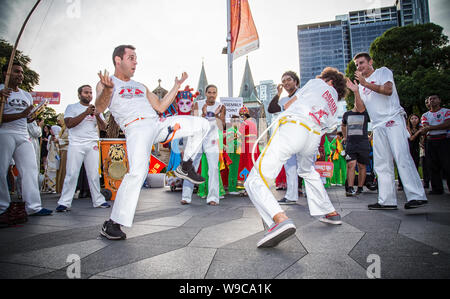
(161, 106)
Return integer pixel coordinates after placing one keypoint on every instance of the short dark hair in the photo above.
(120, 51)
(5, 67)
(340, 134)
(433, 95)
(209, 86)
(362, 54)
(80, 89)
(293, 75)
(339, 80)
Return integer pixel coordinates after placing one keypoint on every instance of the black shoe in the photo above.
(415, 204)
(432, 192)
(186, 171)
(112, 231)
(286, 201)
(359, 190)
(350, 192)
(377, 206)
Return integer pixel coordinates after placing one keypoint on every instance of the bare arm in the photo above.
(161, 106)
(385, 89)
(359, 104)
(220, 117)
(344, 133)
(445, 125)
(75, 121)
(100, 123)
(15, 116)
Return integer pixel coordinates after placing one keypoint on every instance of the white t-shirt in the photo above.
(16, 103)
(436, 118)
(129, 102)
(87, 130)
(317, 103)
(381, 108)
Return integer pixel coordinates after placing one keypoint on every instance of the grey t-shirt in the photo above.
(357, 135)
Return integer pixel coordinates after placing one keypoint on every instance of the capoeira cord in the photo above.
(280, 121)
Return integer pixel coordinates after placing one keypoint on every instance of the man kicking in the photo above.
(307, 116)
(135, 108)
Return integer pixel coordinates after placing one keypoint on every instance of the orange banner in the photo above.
(244, 37)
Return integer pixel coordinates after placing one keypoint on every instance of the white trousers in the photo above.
(77, 155)
(20, 148)
(389, 144)
(141, 135)
(281, 147)
(210, 147)
(290, 168)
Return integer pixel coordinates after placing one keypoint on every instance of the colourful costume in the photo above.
(248, 133)
(234, 152)
(340, 165)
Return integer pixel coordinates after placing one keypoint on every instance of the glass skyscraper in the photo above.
(335, 43)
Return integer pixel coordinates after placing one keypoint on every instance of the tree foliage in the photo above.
(31, 78)
(419, 56)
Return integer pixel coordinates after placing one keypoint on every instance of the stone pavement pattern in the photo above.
(198, 241)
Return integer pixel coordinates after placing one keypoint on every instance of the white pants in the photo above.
(291, 179)
(391, 143)
(210, 147)
(280, 148)
(76, 155)
(141, 135)
(20, 148)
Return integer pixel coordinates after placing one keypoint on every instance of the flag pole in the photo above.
(11, 60)
(230, 55)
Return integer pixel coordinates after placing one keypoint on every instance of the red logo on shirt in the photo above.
(390, 123)
(130, 93)
(331, 103)
(319, 115)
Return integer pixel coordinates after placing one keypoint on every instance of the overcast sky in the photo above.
(69, 41)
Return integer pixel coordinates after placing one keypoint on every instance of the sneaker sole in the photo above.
(185, 177)
(335, 222)
(289, 202)
(273, 240)
(104, 234)
(415, 207)
(384, 208)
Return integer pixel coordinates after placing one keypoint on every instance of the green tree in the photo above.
(419, 56)
(31, 78)
(49, 116)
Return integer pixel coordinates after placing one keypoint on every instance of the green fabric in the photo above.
(203, 188)
(327, 150)
(340, 166)
(233, 172)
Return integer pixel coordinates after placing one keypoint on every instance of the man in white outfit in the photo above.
(291, 83)
(377, 93)
(135, 108)
(307, 116)
(15, 143)
(83, 122)
(214, 112)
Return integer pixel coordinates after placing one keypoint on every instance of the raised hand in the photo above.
(359, 76)
(105, 80)
(184, 76)
(280, 89)
(353, 86)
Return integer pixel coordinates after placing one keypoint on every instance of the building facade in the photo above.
(335, 43)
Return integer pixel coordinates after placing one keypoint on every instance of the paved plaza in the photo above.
(197, 241)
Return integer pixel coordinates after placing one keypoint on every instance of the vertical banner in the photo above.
(244, 37)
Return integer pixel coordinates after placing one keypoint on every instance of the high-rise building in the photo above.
(366, 25)
(334, 43)
(413, 12)
(266, 91)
